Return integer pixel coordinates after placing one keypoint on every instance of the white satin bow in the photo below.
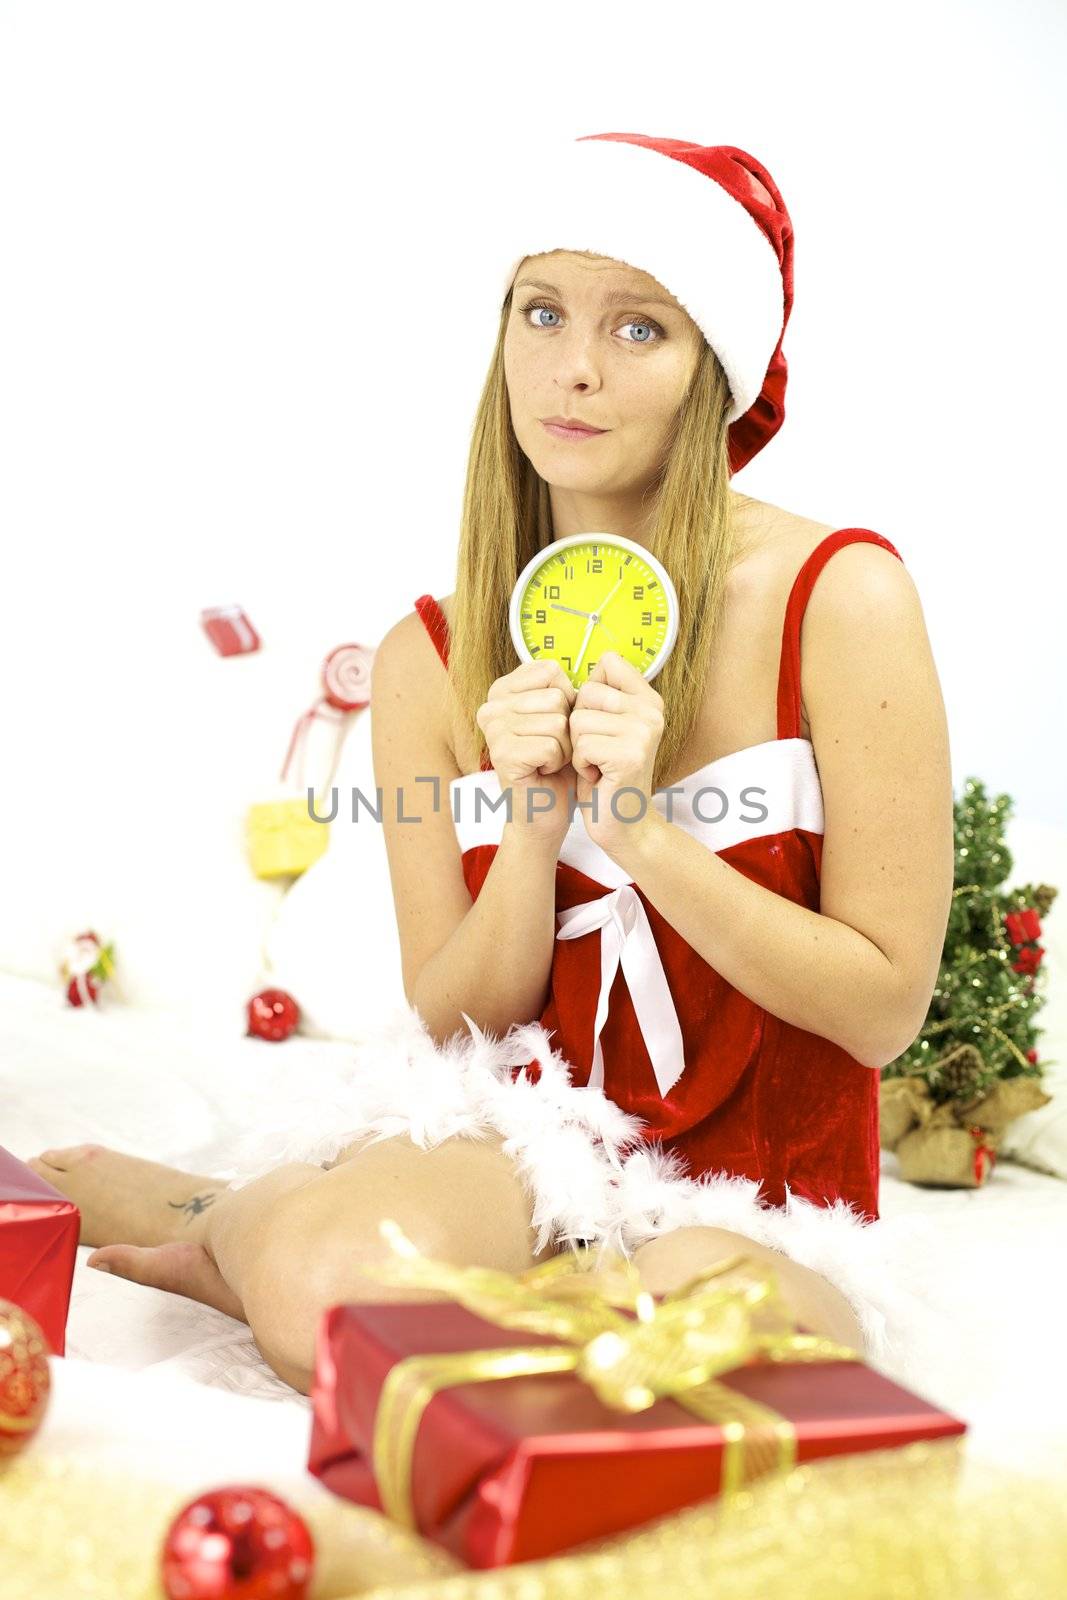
(626, 936)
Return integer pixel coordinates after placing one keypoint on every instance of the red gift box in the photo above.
(522, 1468)
(39, 1230)
(229, 630)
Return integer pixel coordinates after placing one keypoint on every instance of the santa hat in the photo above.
(707, 221)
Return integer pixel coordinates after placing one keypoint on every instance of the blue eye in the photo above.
(643, 322)
(537, 306)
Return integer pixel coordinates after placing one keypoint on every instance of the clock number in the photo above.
(549, 642)
(639, 591)
(638, 644)
(646, 619)
(540, 616)
(552, 591)
(568, 662)
(595, 565)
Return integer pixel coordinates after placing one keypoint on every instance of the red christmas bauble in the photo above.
(237, 1543)
(272, 1014)
(25, 1378)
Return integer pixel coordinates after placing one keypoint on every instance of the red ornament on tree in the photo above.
(237, 1543)
(1023, 926)
(1029, 959)
(272, 1014)
(25, 1378)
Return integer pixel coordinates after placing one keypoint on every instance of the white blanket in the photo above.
(145, 1082)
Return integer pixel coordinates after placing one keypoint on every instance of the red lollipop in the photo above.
(345, 687)
(237, 1543)
(346, 676)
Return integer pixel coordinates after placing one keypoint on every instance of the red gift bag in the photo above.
(39, 1230)
(526, 1466)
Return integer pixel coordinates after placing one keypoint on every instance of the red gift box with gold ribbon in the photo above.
(522, 1468)
(39, 1230)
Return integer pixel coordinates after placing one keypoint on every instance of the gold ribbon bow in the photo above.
(723, 1317)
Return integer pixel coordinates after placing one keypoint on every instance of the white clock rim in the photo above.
(550, 550)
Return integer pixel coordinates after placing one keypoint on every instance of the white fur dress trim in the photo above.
(586, 1169)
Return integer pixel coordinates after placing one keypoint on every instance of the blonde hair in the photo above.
(507, 517)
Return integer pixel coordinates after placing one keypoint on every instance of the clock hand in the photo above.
(555, 606)
(611, 593)
(590, 625)
(598, 614)
(609, 633)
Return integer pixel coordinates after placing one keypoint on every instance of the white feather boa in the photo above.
(588, 1173)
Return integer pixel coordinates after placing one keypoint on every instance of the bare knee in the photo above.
(234, 1225)
(670, 1260)
(461, 1202)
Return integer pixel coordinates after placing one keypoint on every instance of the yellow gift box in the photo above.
(284, 839)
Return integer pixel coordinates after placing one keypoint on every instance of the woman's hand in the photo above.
(526, 725)
(615, 726)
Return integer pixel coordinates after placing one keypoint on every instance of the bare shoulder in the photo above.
(779, 542)
(770, 546)
(409, 684)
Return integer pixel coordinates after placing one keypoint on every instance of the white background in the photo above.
(249, 289)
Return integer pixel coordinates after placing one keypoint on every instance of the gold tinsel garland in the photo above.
(920, 1523)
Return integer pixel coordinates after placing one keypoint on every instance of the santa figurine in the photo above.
(87, 964)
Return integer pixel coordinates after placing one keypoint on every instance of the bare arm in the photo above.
(861, 970)
(489, 957)
(496, 964)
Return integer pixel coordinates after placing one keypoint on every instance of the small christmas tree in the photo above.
(975, 1064)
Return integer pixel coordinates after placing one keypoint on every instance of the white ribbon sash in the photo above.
(626, 936)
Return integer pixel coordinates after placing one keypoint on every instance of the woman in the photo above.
(793, 959)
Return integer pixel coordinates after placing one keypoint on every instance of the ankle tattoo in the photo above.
(195, 1205)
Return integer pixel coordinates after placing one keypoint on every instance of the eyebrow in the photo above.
(618, 297)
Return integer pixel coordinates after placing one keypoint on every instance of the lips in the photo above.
(571, 427)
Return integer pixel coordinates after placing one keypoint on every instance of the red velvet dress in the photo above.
(716, 1078)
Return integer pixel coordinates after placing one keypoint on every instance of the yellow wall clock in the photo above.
(593, 592)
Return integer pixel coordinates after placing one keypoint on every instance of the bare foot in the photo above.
(182, 1268)
(124, 1199)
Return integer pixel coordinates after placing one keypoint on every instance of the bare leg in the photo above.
(462, 1201)
(279, 1251)
(669, 1261)
(150, 1221)
(123, 1197)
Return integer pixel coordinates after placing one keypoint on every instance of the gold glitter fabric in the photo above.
(921, 1523)
(913, 1524)
(72, 1532)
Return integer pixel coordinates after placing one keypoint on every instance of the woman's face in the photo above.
(604, 344)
